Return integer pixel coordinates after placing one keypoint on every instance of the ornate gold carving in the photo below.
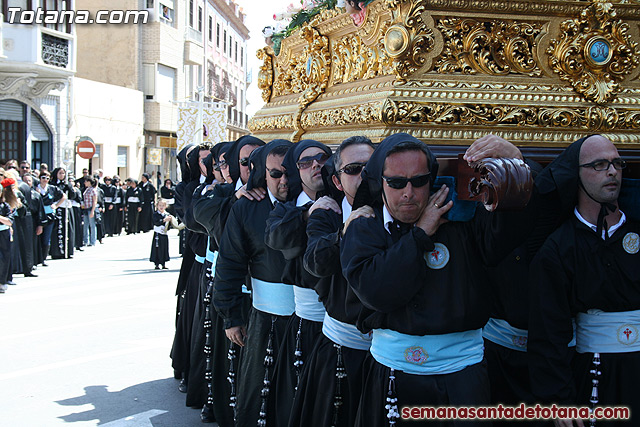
(494, 47)
(353, 60)
(594, 53)
(265, 76)
(408, 40)
(591, 118)
(273, 122)
(356, 114)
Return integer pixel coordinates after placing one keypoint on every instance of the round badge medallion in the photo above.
(438, 257)
(631, 243)
(598, 51)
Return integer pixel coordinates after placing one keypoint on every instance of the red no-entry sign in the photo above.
(86, 149)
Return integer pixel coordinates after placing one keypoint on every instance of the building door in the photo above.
(11, 140)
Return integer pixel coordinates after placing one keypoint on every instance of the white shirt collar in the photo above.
(202, 178)
(612, 229)
(387, 218)
(239, 184)
(346, 209)
(272, 198)
(303, 199)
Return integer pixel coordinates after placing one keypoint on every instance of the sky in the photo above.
(259, 15)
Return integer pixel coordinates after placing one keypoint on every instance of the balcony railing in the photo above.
(55, 51)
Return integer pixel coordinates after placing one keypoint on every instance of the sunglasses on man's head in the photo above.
(307, 162)
(244, 161)
(401, 182)
(276, 173)
(353, 168)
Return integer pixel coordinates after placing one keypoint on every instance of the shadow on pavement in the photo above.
(157, 403)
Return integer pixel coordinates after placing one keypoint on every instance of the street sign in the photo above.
(86, 149)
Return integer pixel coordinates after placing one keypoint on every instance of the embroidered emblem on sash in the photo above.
(627, 334)
(631, 243)
(437, 258)
(416, 355)
(519, 341)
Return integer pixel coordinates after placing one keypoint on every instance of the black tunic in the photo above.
(5, 245)
(132, 209)
(286, 232)
(110, 210)
(64, 230)
(574, 271)
(243, 252)
(24, 231)
(160, 243)
(212, 210)
(148, 198)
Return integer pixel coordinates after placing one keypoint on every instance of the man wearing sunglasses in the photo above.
(286, 232)
(243, 252)
(341, 347)
(421, 283)
(587, 268)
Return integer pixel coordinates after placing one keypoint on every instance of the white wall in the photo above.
(112, 116)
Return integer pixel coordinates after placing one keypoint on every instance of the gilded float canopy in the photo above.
(540, 73)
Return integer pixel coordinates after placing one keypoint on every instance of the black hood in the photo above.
(218, 149)
(232, 154)
(562, 176)
(330, 189)
(193, 164)
(290, 160)
(370, 191)
(258, 161)
(208, 165)
(182, 162)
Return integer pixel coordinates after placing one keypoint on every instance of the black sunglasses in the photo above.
(353, 168)
(416, 181)
(24, 167)
(244, 161)
(222, 165)
(276, 173)
(45, 178)
(306, 162)
(216, 167)
(604, 165)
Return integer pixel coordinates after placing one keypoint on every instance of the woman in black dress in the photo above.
(63, 235)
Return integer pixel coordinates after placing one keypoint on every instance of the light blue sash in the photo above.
(273, 298)
(200, 259)
(48, 210)
(345, 334)
(428, 354)
(307, 305)
(598, 331)
(3, 227)
(502, 333)
(211, 256)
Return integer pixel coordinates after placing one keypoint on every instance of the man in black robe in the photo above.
(37, 216)
(588, 268)
(243, 253)
(110, 208)
(286, 232)
(24, 230)
(335, 364)
(420, 279)
(148, 203)
(133, 200)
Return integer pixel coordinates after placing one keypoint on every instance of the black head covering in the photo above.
(218, 149)
(208, 165)
(330, 189)
(146, 175)
(233, 152)
(193, 164)
(258, 159)
(289, 162)
(182, 162)
(370, 191)
(562, 177)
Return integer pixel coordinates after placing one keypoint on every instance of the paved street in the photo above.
(87, 342)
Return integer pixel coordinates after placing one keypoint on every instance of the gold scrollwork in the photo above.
(265, 76)
(493, 47)
(594, 52)
(271, 123)
(354, 61)
(590, 118)
(408, 40)
(356, 114)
